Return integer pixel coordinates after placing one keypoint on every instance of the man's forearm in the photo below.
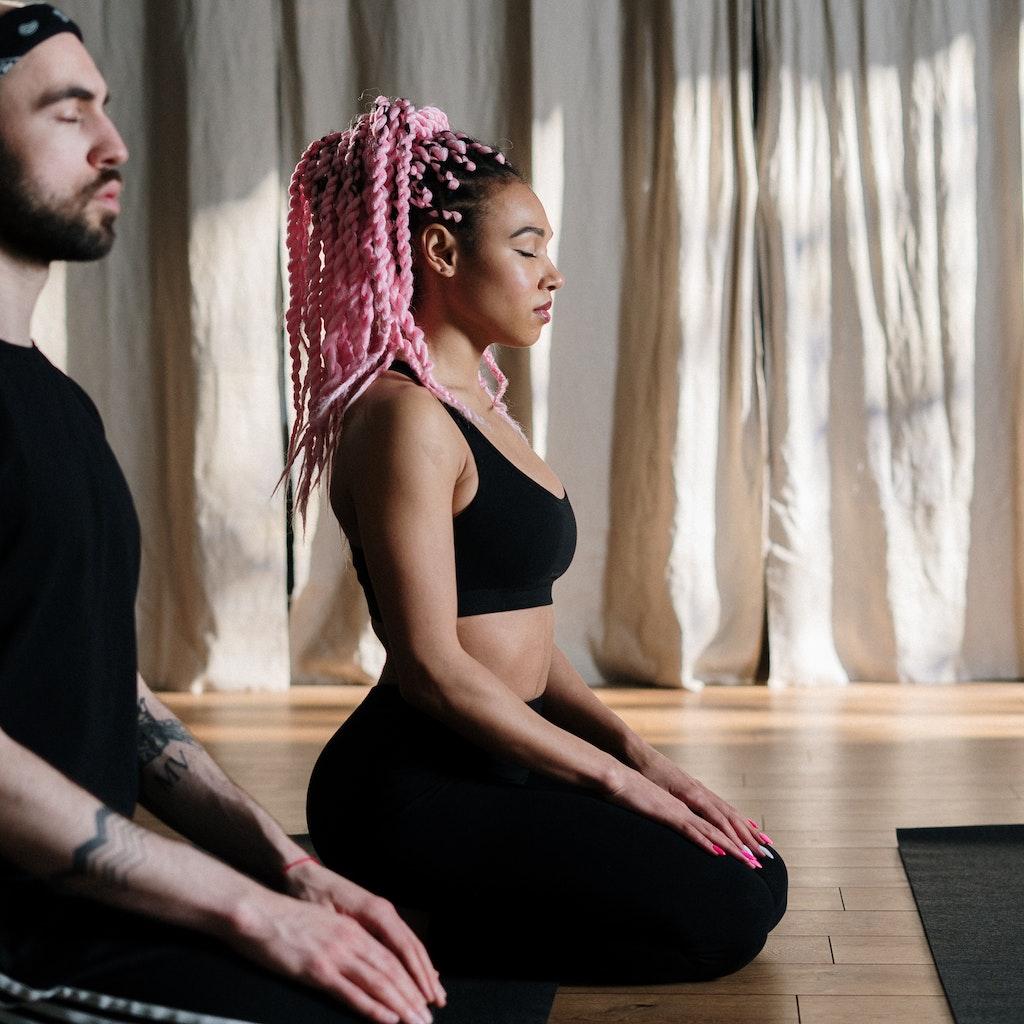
(54, 829)
(183, 786)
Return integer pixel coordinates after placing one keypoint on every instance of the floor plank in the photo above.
(876, 877)
(884, 949)
(830, 979)
(829, 837)
(671, 1008)
(818, 898)
(799, 949)
(895, 1009)
(855, 897)
(850, 922)
(842, 856)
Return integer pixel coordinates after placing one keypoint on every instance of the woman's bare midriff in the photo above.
(515, 646)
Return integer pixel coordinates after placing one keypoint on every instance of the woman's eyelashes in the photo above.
(527, 254)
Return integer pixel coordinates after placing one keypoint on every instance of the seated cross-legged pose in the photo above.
(481, 781)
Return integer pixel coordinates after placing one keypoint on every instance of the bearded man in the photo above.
(101, 919)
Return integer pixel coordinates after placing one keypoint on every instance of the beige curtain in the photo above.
(175, 334)
(845, 178)
(684, 601)
(890, 215)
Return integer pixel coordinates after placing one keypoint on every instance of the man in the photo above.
(97, 915)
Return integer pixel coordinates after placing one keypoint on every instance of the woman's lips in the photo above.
(544, 312)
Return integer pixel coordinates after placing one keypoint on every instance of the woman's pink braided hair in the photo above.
(353, 201)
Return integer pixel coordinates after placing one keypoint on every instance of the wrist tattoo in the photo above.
(111, 854)
(155, 736)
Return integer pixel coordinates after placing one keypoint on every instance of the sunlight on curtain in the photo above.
(683, 580)
(548, 182)
(872, 234)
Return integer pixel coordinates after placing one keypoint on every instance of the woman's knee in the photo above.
(719, 960)
(728, 932)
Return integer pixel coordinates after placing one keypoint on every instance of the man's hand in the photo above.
(315, 944)
(744, 832)
(316, 884)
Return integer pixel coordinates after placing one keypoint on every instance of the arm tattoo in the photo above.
(111, 854)
(155, 736)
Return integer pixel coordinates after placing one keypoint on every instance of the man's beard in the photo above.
(41, 230)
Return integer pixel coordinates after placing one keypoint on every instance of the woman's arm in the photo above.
(404, 459)
(570, 703)
(573, 705)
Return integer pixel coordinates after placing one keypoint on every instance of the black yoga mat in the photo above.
(487, 1000)
(969, 886)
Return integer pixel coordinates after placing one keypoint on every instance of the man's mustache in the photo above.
(105, 176)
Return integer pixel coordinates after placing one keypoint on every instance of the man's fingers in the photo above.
(385, 924)
(389, 987)
(363, 1003)
(388, 970)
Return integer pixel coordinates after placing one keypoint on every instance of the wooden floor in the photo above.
(831, 773)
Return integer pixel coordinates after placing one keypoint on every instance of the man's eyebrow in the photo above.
(528, 230)
(68, 92)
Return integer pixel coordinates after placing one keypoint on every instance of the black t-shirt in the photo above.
(69, 568)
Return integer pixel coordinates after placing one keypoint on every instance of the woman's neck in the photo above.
(456, 359)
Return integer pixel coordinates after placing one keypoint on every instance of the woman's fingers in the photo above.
(646, 797)
(712, 839)
(729, 821)
(734, 849)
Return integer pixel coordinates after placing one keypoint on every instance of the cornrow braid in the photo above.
(356, 200)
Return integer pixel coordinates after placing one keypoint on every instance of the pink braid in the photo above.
(350, 276)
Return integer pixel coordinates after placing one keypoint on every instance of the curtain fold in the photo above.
(176, 333)
(783, 381)
(683, 592)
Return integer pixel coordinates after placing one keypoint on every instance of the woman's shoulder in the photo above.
(397, 412)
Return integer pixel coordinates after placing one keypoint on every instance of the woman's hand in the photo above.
(743, 832)
(314, 883)
(715, 831)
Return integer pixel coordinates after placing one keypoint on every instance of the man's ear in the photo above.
(439, 250)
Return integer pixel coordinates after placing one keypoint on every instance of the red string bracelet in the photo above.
(296, 863)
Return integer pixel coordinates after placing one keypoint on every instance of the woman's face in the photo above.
(502, 288)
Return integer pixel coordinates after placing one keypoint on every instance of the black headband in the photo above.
(22, 28)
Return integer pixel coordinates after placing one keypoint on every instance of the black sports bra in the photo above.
(512, 541)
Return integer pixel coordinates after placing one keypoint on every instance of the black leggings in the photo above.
(523, 876)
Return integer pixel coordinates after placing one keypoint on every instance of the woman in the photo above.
(481, 780)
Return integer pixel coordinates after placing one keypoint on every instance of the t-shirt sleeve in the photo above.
(90, 406)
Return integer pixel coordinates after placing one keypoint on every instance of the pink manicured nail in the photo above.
(765, 839)
(718, 850)
(752, 824)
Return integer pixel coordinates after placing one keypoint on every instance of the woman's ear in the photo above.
(439, 250)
